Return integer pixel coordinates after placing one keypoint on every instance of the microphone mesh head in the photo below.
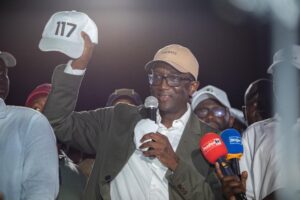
(151, 102)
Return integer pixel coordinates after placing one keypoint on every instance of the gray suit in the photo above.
(108, 133)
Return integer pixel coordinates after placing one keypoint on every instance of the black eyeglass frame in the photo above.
(213, 111)
(177, 79)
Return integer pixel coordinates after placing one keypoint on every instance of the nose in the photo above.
(209, 117)
(164, 83)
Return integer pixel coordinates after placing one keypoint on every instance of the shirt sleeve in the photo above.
(70, 70)
(40, 178)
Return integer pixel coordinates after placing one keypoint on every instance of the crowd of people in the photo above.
(108, 162)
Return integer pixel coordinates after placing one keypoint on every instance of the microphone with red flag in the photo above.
(214, 150)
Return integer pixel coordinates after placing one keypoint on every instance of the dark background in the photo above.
(233, 48)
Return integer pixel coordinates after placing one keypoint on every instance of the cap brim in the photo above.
(8, 59)
(73, 50)
(275, 64)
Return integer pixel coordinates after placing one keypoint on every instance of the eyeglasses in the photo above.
(217, 112)
(173, 80)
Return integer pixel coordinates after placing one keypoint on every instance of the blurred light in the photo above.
(286, 11)
(253, 6)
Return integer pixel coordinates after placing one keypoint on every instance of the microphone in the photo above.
(151, 105)
(214, 150)
(233, 141)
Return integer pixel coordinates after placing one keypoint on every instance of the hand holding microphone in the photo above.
(215, 151)
(154, 144)
(159, 146)
(233, 187)
(149, 124)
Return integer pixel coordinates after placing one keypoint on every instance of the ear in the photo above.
(193, 87)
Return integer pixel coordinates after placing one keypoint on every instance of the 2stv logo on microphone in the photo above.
(235, 140)
(210, 145)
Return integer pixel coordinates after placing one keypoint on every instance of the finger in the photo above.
(227, 191)
(86, 37)
(244, 177)
(150, 153)
(149, 144)
(231, 179)
(148, 136)
(159, 137)
(234, 184)
(218, 171)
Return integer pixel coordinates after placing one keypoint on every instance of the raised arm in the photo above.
(78, 128)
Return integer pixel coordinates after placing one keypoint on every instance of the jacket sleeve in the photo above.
(193, 178)
(80, 129)
(189, 183)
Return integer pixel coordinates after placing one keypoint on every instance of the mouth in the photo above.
(163, 97)
(214, 125)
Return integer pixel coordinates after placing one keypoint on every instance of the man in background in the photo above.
(212, 106)
(28, 154)
(258, 100)
(124, 95)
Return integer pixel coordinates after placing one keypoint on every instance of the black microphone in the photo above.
(151, 105)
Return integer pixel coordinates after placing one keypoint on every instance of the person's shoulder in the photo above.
(264, 124)
(30, 123)
(24, 113)
(261, 130)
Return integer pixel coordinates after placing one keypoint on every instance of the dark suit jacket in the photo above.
(108, 133)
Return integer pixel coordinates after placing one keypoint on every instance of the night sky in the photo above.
(233, 48)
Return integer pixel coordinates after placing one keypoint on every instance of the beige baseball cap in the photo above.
(180, 57)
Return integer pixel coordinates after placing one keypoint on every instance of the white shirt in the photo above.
(143, 178)
(28, 155)
(261, 159)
